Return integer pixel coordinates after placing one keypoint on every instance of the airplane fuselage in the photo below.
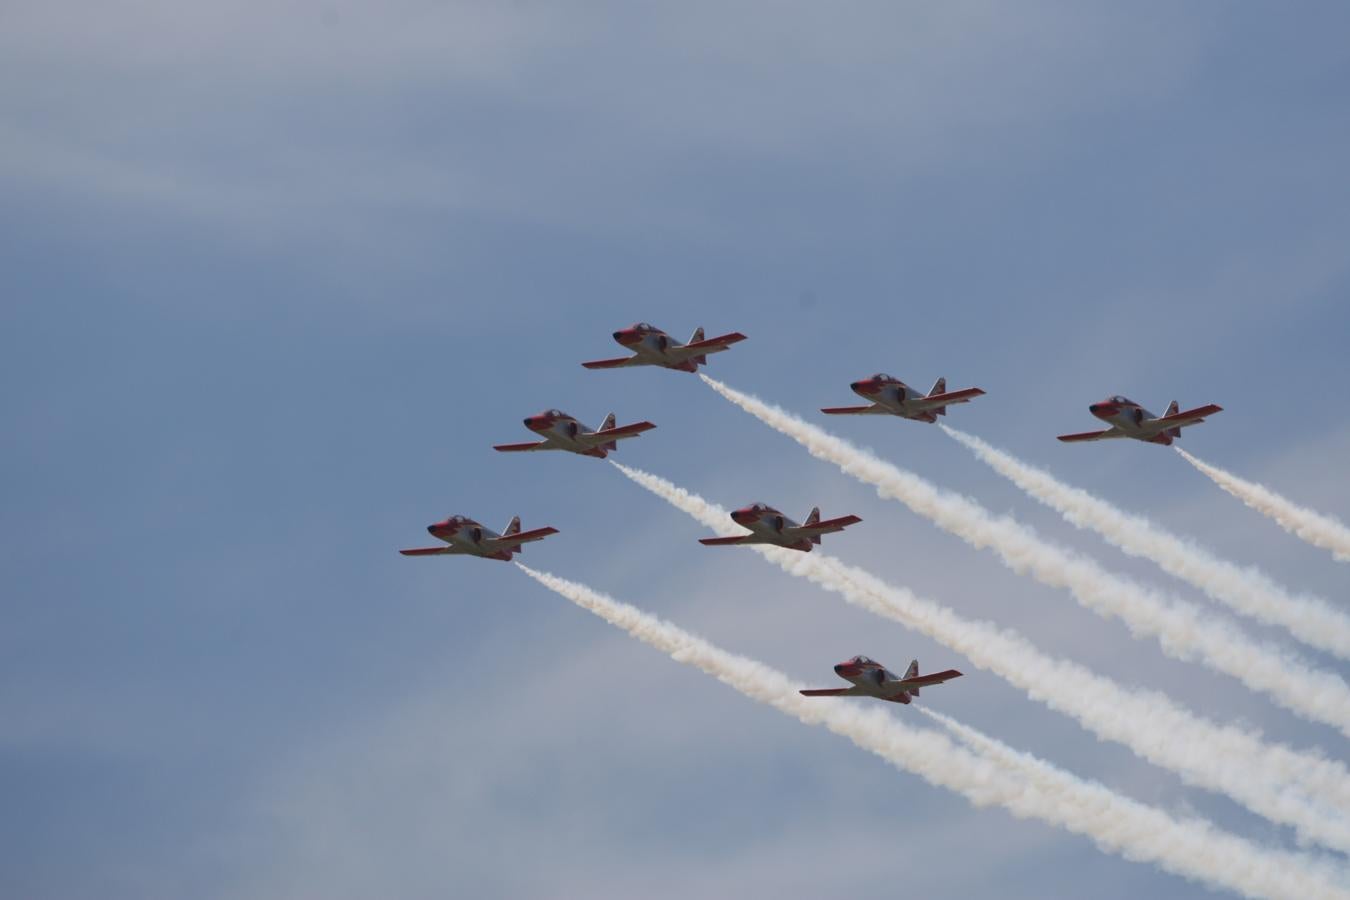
(466, 536)
(559, 432)
(870, 679)
(892, 396)
(1128, 416)
(766, 526)
(650, 345)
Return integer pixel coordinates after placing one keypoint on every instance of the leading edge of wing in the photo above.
(625, 430)
(1195, 415)
(920, 681)
(962, 396)
(426, 551)
(1091, 435)
(826, 527)
(614, 363)
(725, 541)
(826, 692)
(714, 344)
(520, 448)
(853, 410)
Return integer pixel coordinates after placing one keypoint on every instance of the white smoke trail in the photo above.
(1273, 780)
(1314, 527)
(1247, 590)
(1182, 629)
(1191, 848)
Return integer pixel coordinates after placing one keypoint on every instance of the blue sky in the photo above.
(277, 279)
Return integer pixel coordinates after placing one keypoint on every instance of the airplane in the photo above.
(562, 432)
(653, 347)
(768, 526)
(891, 396)
(872, 679)
(1130, 420)
(467, 537)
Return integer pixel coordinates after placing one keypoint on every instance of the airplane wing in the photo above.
(427, 551)
(615, 363)
(828, 526)
(854, 410)
(708, 345)
(1180, 419)
(943, 399)
(521, 448)
(1093, 435)
(512, 541)
(726, 541)
(595, 438)
(832, 692)
(922, 681)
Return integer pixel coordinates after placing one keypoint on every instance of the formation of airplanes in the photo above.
(885, 395)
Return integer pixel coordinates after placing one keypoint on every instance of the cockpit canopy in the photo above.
(759, 507)
(861, 660)
(1119, 399)
(643, 326)
(555, 413)
(882, 376)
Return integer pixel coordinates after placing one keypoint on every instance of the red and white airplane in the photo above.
(653, 347)
(891, 396)
(467, 537)
(562, 432)
(872, 679)
(768, 526)
(1130, 420)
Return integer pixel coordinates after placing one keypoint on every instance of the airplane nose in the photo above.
(737, 515)
(855, 384)
(839, 669)
(618, 335)
(431, 529)
(529, 421)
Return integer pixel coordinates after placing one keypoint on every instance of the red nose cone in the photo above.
(536, 422)
(627, 337)
(1102, 410)
(867, 387)
(739, 516)
(847, 669)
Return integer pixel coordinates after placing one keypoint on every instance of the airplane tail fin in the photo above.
(813, 519)
(1172, 410)
(939, 387)
(608, 423)
(512, 527)
(697, 335)
(913, 672)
